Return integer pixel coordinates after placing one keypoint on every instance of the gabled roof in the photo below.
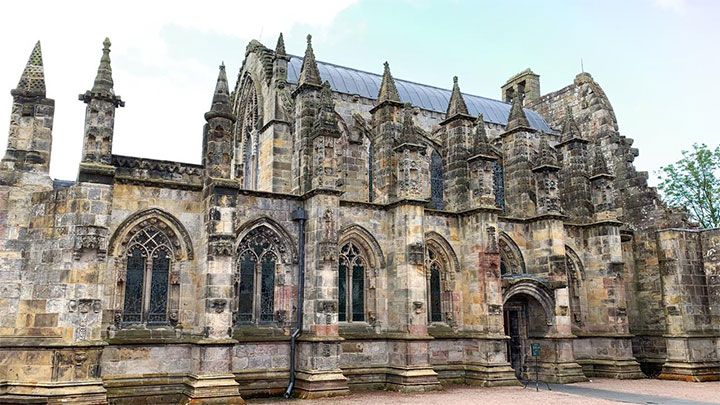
(365, 84)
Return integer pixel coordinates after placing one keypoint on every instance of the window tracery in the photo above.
(440, 284)
(147, 277)
(258, 256)
(247, 134)
(351, 284)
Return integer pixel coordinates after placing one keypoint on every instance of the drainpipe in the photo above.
(300, 216)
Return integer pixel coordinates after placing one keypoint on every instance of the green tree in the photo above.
(693, 183)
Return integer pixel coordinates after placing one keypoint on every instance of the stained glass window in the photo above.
(147, 277)
(434, 268)
(134, 282)
(358, 292)
(371, 156)
(498, 185)
(435, 300)
(351, 284)
(436, 181)
(248, 263)
(267, 292)
(256, 266)
(159, 287)
(342, 291)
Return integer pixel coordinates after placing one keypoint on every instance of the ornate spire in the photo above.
(481, 143)
(103, 80)
(326, 122)
(457, 104)
(548, 155)
(570, 128)
(221, 98)
(408, 134)
(32, 81)
(388, 91)
(600, 165)
(103, 85)
(280, 47)
(309, 73)
(517, 116)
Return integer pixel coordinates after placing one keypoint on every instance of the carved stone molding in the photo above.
(90, 238)
(416, 253)
(217, 305)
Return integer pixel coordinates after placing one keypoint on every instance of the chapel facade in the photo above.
(345, 230)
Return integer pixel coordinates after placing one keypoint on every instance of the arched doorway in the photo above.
(527, 319)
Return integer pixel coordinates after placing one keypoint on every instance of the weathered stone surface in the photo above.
(437, 248)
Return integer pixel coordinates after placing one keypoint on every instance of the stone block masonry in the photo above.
(445, 234)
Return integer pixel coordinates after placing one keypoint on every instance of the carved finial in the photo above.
(103, 80)
(600, 165)
(326, 121)
(103, 85)
(457, 105)
(221, 106)
(517, 116)
(409, 133)
(481, 144)
(548, 154)
(570, 129)
(280, 46)
(309, 73)
(32, 80)
(388, 90)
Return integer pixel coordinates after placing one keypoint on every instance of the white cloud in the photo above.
(673, 5)
(167, 89)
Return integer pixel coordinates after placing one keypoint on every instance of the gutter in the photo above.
(300, 216)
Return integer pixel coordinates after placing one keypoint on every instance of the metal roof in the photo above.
(365, 84)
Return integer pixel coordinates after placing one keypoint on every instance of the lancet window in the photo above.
(351, 284)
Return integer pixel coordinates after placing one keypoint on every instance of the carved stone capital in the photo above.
(90, 238)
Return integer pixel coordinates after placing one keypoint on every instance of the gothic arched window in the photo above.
(436, 180)
(435, 270)
(254, 284)
(147, 277)
(246, 130)
(351, 284)
(575, 287)
(499, 184)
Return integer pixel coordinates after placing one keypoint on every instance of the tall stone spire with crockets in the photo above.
(31, 120)
(387, 132)
(517, 118)
(309, 73)
(458, 126)
(457, 105)
(217, 146)
(99, 120)
(388, 90)
(574, 190)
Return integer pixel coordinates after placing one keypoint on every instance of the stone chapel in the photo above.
(345, 230)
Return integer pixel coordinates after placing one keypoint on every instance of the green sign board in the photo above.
(535, 347)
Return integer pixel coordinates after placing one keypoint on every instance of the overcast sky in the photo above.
(656, 59)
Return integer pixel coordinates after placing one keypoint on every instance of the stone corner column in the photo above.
(485, 362)
(318, 349)
(409, 360)
(212, 380)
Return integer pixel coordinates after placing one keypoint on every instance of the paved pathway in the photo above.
(626, 397)
(596, 392)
